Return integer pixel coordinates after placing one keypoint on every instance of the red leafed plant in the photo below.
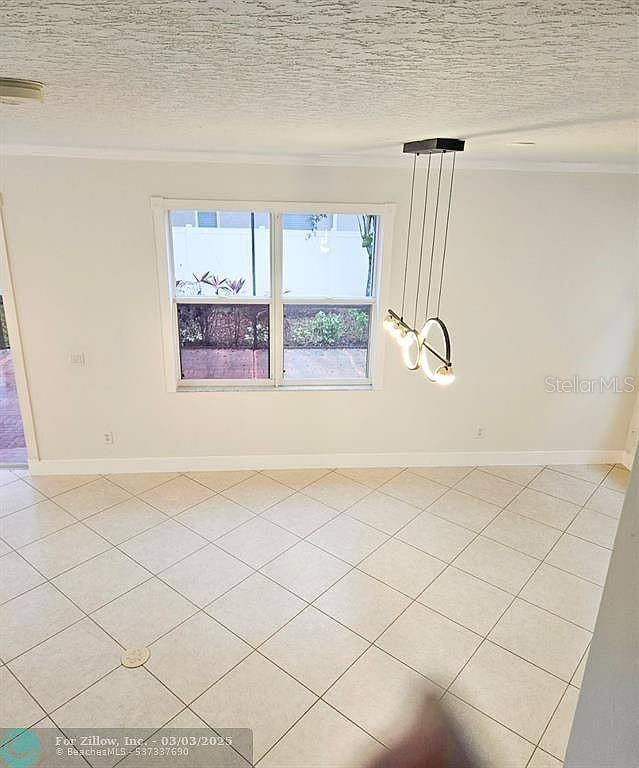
(235, 286)
(217, 283)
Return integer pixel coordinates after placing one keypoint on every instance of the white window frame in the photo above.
(166, 287)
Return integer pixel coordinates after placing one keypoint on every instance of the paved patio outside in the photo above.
(12, 445)
(325, 363)
(253, 364)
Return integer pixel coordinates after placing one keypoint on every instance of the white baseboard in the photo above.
(628, 459)
(306, 461)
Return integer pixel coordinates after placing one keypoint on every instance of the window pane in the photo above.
(307, 221)
(323, 261)
(221, 256)
(207, 219)
(182, 218)
(242, 219)
(326, 342)
(224, 341)
(346, 222)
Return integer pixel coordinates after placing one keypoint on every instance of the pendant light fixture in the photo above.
(428, 348)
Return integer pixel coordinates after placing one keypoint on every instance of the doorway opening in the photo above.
(12, 443)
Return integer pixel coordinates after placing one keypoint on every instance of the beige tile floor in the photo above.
(313, 606)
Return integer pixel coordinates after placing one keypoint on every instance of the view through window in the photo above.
(273, 298)
(12, 443)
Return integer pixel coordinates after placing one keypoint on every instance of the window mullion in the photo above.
(277, 333)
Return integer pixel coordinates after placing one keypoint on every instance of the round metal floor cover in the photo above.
(135, 657)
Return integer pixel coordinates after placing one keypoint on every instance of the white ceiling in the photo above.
(334, 77)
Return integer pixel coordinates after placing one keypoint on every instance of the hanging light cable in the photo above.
(421, 243)
(410, 220)
(450, 197)
(443, 374)
(416, 346)
(432, 247)
(392, 323)
(409, 338)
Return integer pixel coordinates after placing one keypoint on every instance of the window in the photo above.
(277, 297)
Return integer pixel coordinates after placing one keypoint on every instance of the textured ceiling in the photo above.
(333, 77)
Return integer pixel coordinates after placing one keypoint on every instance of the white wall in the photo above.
(542, 279)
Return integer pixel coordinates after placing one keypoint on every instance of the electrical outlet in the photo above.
(108, 438)
(78, 358)
(480, 433)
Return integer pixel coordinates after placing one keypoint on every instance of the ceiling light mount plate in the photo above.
(16, 91)
(433, 146)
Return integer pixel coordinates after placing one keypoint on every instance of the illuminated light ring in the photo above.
(411, 339)
(431, 323)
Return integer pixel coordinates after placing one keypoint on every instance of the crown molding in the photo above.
(332, 160)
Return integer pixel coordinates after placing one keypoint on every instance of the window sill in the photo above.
(368, 387)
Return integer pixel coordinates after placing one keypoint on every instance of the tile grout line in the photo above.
(338, 678)
(199, 610)
(256, 649)
(495, 624)
(113, 545)
(566, 689)
(39, 538)
(500, 511)
(306, 606)
(254, 571)
(82, 520)
(447, 690)
(151, 576)
(86, 614)
(203, 609)
(449, 563)
(254, 514)
(373, 643)
(554, 712)
(419, 511)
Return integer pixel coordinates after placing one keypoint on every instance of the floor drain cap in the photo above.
(135, 657)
